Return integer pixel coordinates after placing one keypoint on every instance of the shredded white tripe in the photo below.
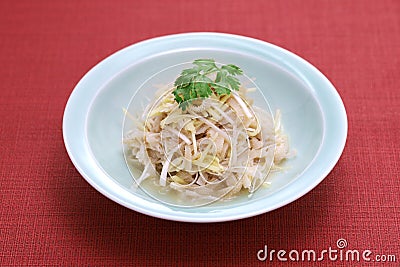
(217, 147)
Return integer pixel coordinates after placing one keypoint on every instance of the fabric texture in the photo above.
(50, 216)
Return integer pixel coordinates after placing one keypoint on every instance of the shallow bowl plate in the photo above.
(313, 116)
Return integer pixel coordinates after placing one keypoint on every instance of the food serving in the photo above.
(202, 139)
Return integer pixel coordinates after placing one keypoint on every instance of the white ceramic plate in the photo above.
(313, 116)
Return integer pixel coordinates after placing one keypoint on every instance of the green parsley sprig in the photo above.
(196, 82)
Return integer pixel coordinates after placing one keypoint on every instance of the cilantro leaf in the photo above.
(203, 90)
(221, 89)
(233, 82)
(196, 82)
(232, 69)
(205, 64)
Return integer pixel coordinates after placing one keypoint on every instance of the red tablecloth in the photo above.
(50, 216)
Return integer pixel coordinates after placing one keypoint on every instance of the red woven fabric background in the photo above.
(50, 216)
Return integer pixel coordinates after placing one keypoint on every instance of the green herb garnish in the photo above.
(196, 82)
